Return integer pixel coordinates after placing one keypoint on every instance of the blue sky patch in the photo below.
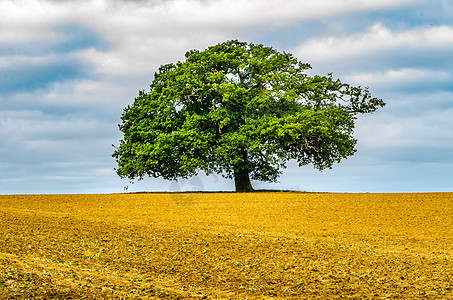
(26, 78)
(71, 38)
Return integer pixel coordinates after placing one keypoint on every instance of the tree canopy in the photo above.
(240, 110)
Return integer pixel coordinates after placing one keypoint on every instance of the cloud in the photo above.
(378, 38)
(43, 151)
(40, 63)
(30, 21)
(29, 74)
(68, 38)
(160, 31)
(34, 128)
(246, 13)
(27, 17)
(68, 68)
(89, 97)
(408, 80)
(416, 132)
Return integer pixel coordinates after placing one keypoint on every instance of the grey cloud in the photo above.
(31, 76)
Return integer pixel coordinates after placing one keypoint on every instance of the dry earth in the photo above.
(227, 246)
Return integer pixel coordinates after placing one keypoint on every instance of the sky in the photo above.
(69, 68)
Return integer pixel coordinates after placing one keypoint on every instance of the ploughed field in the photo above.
(227, 246)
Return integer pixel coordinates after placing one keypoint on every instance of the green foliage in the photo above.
(238, 108)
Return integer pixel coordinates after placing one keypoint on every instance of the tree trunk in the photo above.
(242, 181)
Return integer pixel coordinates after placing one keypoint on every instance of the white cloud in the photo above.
(416, 123)
(87, 93)
(241, 13)
(15, 60)
(231, 13)
(25, 21)
(377, 38)
(402, 77)
(145, 35)
(33, 124)
(148, 33)
(413, 134)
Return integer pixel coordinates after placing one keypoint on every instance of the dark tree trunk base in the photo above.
(242, 181)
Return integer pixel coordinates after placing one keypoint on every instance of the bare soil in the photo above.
(227, 246)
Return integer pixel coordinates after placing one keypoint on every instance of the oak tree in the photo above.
(241, 110)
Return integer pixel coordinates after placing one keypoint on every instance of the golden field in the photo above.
(227, 246)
